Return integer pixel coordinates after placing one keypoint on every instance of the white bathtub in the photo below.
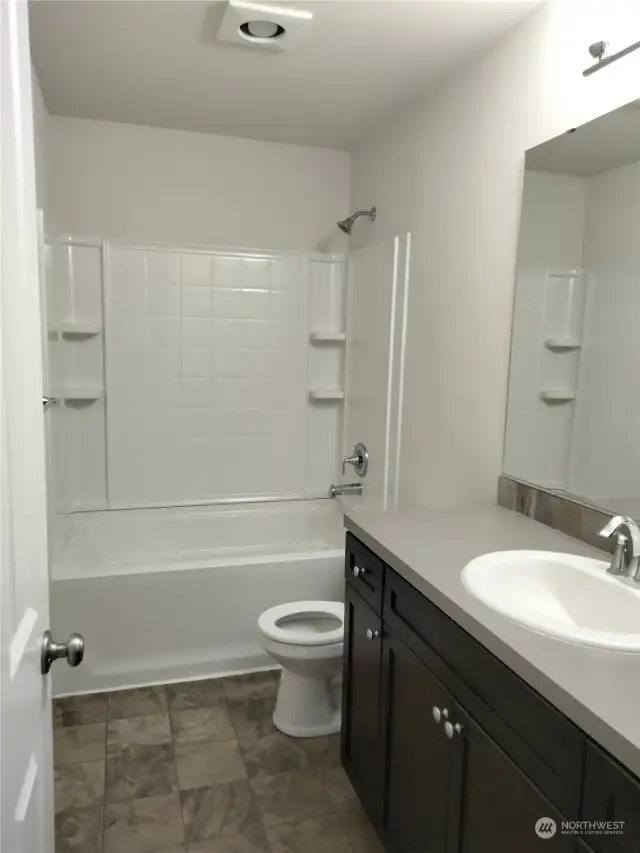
(162, 594)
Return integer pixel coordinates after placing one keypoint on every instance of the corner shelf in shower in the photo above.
(562, 344)
(326, 336)
(557, 395)
(78, 329)
(326, 394)
(81, 393)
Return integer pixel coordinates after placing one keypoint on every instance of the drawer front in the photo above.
(611, 793)
(364, 571)
(541, 740)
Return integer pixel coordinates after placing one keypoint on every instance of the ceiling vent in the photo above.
(263, 26)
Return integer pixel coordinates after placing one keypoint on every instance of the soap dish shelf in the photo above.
(326, 394)
(557, 395)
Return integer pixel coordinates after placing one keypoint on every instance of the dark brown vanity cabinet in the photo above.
(494, 806)
(414, 753)
(449, 750)
(361, 697)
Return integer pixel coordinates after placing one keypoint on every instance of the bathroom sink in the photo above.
(564, 596)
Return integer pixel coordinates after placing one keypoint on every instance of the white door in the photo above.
(26, 774)
(376, 329)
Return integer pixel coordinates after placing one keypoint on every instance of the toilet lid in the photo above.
(304, 623)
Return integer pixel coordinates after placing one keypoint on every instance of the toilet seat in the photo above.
(273, 623)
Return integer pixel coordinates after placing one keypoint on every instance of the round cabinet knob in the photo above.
(372, 634)
(451, 729)
(72, 650)
(440, 714)
(359, 571)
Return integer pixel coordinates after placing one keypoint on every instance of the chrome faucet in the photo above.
(345, 489)
(626, 557)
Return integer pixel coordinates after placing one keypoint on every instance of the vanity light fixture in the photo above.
(598, 51)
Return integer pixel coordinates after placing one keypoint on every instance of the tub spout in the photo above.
(345, 489)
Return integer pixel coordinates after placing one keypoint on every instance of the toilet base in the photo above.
(307, 706)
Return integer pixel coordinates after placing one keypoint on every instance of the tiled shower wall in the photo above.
(207, 370)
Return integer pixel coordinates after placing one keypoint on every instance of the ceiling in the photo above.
(605, 143)
(157, 62)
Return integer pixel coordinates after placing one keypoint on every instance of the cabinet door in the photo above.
(361, 698)
(416, 756)
(611, 793)
(494, 806)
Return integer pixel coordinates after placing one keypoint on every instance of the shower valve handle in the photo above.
(359, 459)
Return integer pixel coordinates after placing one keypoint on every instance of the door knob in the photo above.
(72, 650)
(47, 402)
(451, 729)
(358, 571)
(440, 714)
(372, 634)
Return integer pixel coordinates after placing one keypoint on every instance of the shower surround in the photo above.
(191, 445)
(209, 359)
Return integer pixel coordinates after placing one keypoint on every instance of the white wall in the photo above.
(150, 184)
(41, 120)
(449, 169)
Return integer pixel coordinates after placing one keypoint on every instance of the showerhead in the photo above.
(346, 225)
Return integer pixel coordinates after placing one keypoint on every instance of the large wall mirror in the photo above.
(573, 413)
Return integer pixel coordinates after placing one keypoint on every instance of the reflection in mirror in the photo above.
(573, 413)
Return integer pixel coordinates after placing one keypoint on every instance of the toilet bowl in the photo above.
(306, 638)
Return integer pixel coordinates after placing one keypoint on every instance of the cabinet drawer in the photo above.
(541, 740)
(364, 571)
(611, 793)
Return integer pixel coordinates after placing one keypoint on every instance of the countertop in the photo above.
(599, 690)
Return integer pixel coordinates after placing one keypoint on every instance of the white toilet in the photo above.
(306, 639)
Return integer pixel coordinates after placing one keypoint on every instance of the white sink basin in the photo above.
(561, 595)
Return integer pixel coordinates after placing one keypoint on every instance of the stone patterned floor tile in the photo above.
(141, 771)
(252, 718)
(251, 685)
(79, 830)
(200, 765)
(187, 695)
(78, 744)
(79, 785)
(291, 797)
(251, 842)
(228, 809)
(138, 702)
(80, 710)
(316, 835)
(143, 826)
(272, 754)
(360, 834)
(149, 730)
(321, 752)
(202, 725)
(339, 789)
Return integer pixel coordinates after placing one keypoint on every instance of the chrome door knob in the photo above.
(359, 571)
(72, 650)
(451, 729)
(47, 402)
(440, 714)
(372, 634)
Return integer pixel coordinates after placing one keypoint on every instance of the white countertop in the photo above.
(598, 690)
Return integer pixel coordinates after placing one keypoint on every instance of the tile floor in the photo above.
(198, 767)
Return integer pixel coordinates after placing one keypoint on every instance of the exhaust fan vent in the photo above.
(263, 26)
